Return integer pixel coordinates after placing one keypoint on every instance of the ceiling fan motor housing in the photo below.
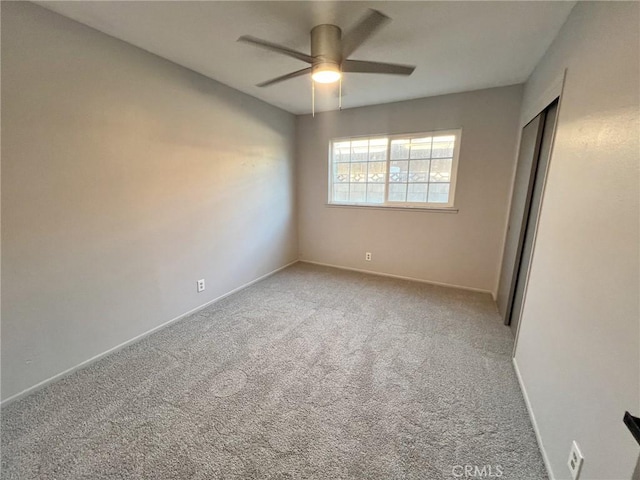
(326, 48)
(330, 52)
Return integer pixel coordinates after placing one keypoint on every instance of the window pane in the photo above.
(398, 192)
(407, 170)
(438, 193)
(398, 171)
(341, 173)
(358, 193)
(417, 192)
(375, 193)
(440, 170)
(421, 147)
(359, 172)
(359, 150)
(443, 146)
(341, 193)
(419, 170)
(377, 172)
(400, 149)
(341, 151)
(378, 149)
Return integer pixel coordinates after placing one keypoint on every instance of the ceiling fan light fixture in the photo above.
(326, 73)
(331, 52)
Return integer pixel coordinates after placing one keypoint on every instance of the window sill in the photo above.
(391, 207)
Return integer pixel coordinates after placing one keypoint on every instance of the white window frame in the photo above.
(390, 204)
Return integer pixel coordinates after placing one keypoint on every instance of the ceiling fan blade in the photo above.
(361, 66)
(274, 47)
(285, 77)
(369, 24)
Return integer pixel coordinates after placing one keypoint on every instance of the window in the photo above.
(417, 170)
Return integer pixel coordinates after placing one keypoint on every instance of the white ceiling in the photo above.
(457, 46)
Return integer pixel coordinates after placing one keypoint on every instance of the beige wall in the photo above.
(125, 179)
(578, 348)
(461, 248)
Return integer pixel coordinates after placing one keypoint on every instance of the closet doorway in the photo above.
(531, 172)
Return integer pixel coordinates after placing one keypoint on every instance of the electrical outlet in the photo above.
(575, 461)
(367, 256)
(200, 285)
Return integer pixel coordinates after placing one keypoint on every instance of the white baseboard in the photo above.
(547, 464)
(91, 360)
(401, 277)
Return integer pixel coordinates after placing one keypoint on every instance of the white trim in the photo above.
(91, 360)
(391, 207)
(547, 464)
(401, 277)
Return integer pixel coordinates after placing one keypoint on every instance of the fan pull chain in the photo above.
(340, 95)
(313, 98)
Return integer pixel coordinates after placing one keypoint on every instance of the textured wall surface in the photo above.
(462, 249)
(125, 179)
(578, 349)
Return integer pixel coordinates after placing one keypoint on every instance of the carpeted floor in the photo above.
(312, 373)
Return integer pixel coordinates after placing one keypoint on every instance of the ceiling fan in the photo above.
(330, 52)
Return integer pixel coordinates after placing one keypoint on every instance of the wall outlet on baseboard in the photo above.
(200, 285)
(575, 461)
(367, 256)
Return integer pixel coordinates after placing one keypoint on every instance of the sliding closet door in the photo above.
(531, 171)
(532, 216)
(529, 150)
